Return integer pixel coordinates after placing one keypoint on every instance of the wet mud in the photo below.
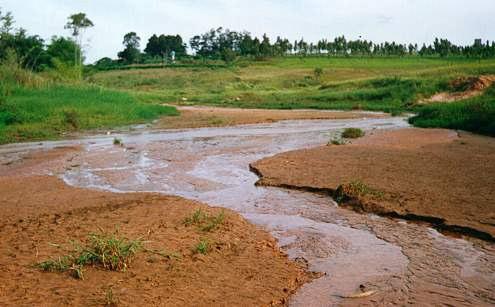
(367, 259)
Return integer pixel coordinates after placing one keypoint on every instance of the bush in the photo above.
(352, 133)
(318, 72)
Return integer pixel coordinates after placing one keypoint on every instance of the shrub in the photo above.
(118, 142)
(71, 118)
(318, 72)
(352, 133)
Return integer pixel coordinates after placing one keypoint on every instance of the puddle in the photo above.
(403, 262)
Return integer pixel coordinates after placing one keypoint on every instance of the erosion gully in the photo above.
(395, 261)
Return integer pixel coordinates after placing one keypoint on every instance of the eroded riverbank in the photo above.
(399, 262)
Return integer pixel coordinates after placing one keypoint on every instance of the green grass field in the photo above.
(378, 84)
(476, 114)
(369, 83)
(121, 97)
(45, 113)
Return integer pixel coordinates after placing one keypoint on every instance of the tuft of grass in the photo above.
(110, 299)
(355, 189)
(336, 142)
(71, 118)
(109, 251)
(202, 247)
(60, 264)
(105, 250)
(117, 141)
(204, 221)
(352, 133)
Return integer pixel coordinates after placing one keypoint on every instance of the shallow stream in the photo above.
(399, 262)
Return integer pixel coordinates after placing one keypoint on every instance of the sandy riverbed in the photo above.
(421, 174)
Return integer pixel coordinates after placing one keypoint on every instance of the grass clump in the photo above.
(110, 299)
(118, 142)
(204, 221)
(109, 251)
(60, 264)
(202, 247)
(355, 189)
(104, 250)
(352, 133)
(336, 141)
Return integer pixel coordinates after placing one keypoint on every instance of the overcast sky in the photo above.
(414, 21)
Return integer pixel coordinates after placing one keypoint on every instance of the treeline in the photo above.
(224, 44)
(31, 51)
(21, 53)
(227, 45)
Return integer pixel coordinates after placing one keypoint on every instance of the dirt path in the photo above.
(432, 175)
(41, 215)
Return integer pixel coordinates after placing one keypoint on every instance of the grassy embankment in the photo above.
(378, 84)
(41, 106)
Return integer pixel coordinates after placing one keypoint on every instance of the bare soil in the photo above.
(474, 86)
(433, 175)
(40, 216)
(196, 117)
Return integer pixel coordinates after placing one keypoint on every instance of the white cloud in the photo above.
(399, 20)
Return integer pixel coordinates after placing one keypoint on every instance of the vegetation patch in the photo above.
(118, 142)
(352, 133)
(40, 113)
(202, 247)
(204, 221)
(475, 114)
(107, 251)
(355, 189)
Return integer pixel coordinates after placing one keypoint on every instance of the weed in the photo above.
(108, 250)
(105, 250)
(77, 271)
(110, 299)
(60, 264)
(204, 221)
(352, 133)
(71, 118)
(355, 189)
(318, 72)
(336, 142)
(196, 218)
(213, 222)
(202, 247)
(118, 142)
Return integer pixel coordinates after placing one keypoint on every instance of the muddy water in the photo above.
(399, 262)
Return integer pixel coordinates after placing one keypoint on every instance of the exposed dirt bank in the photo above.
(196, 117)
(470, 87)
(40, 215)
(431, 175)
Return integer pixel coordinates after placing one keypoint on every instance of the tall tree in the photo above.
(131, 52)
(77, 24)
(163, 45)
(6, 22)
